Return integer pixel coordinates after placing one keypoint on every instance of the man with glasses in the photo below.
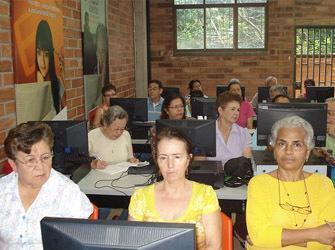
(34, 190)
(155, 101)
(289, 207)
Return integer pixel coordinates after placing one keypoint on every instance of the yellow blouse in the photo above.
(266, 219)
(203, 201)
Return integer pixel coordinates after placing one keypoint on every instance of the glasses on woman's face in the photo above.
(177, 107)
(31, 161)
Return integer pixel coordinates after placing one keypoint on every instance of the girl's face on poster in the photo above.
(43, 58)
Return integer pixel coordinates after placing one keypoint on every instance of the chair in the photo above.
(227, 232)
(95, 213)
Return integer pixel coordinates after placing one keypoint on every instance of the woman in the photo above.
(195, 89)
(269, 81)
(111, 143)
(34, 190)
(246, 111)
(232, 141)
(288, 208)
(174, 107)
(176, 199)
(108, 91)
(45, 64)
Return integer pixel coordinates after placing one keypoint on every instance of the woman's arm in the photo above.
(247, 152)
(212, 225)
(97, 118)
(249, 122)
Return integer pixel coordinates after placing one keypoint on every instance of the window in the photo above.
(227, 25)
(315, 55)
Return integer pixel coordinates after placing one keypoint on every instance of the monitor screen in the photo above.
(66, 233)
(136, 108)
(319, 94)
(223, 88)
(263, 94)
(70, 145)
(269, 113)
(201, 106)
(201, 133)
(167, 90)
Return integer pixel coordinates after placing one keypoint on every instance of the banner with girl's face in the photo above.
(38, 58)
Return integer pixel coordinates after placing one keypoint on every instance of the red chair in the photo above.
(95, 213)
(7, 169)
(227, 232)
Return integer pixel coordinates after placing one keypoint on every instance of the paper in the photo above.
(121, 167)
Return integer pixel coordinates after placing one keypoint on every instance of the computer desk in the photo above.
(230, 199)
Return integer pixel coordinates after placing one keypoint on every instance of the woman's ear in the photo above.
(220, 110)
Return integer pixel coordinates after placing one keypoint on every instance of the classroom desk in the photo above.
(230, 199)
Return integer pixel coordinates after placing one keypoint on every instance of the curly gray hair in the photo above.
(293, 121)
(112, 113)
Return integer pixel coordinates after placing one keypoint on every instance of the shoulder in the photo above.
(143, 192)
(7, 183)
(261, 181)
(238, 129)
(57, 178)
(126, 135)
(317, 179)
(203, 189)
(94, 132)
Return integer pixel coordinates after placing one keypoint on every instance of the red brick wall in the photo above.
(121, 59)
(250, 69)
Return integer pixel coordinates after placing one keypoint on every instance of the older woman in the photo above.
(34, 190)
(176, 199)
(247, 113)
(111, 143)
(232, 141)
(289, 208)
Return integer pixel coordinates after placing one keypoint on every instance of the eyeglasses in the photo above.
(176, 107)
(32, 161)
(293, 208)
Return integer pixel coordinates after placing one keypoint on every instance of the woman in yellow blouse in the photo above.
(289, 208)
(176, 199)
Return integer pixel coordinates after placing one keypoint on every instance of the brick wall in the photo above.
(250, 69)
(121, 59)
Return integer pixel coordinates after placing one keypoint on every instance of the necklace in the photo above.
(303, 210)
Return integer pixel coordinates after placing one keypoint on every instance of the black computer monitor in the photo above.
(223, 88)
(201, 106)
(70, 145)
(319, 94)
(200, 132)
(169, 90)
(137, 108)
(66, 233)
(269, 113)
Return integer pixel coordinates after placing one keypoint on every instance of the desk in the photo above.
(230, 199)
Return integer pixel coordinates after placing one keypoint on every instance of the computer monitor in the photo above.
(168, 90)
(201, 133)
(263, 94)
(319, 94)
(68, 233)
(201, 106)
(269, 113)
(223, 88)
(70, 145)
(136, 108)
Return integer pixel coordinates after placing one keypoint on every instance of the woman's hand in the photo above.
(133, 160)
(325, 234)
(98, 164)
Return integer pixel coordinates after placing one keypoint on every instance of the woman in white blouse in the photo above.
(34, 190)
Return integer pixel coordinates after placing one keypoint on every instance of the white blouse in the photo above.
(58, 197)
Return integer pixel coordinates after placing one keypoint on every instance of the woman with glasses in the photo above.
(108, 91)
(289, 208)
(176, 199)
(111, 143)
(34, 190)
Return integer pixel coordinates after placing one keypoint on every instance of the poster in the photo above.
(38, 44)
(95, 51)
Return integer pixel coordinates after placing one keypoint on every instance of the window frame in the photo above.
(234, 50)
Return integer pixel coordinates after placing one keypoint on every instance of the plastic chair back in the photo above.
(227, 232)
(95, 213)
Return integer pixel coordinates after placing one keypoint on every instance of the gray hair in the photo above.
(112, 113)
(270, 80)
(278, 88)
(293, 121)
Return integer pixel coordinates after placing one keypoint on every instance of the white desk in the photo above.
(127, 185)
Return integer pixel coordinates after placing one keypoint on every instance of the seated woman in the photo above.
(269, 81)
(176, 199)
(288, 208)
(192, 86)
(34, 190)
(108, 91)
(111, 143)
(232, 141)
(247, 113)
